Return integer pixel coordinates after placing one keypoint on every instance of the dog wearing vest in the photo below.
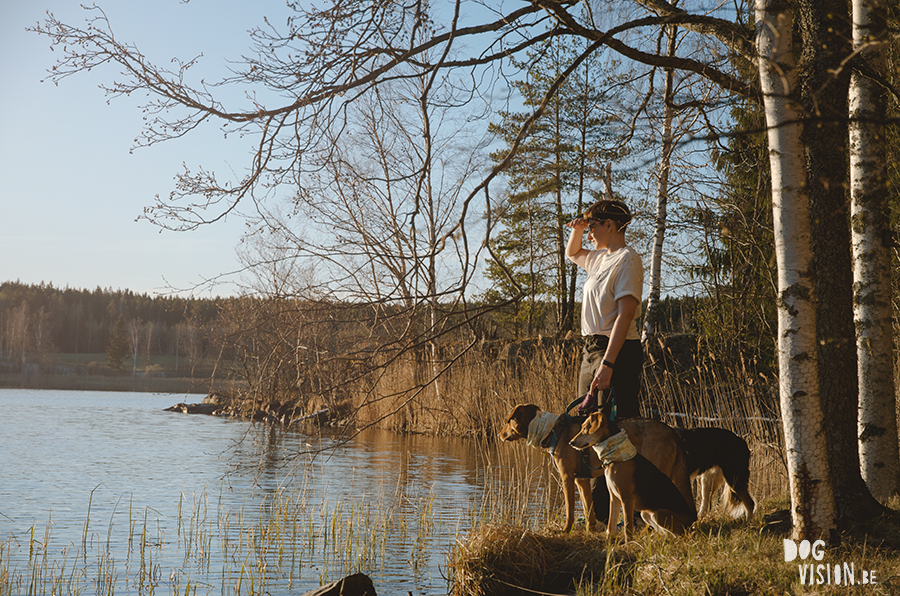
(634, 482)
(654, 440)
(716, 456)
(553, 432)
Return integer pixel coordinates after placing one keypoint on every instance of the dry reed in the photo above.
(507, 560)
(476, 396)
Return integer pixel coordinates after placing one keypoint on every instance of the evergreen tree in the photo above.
(739, 269)
(116, 346)
(551, 178)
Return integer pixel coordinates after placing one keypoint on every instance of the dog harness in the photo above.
(616, 448)
(540, 427)
(543, 425)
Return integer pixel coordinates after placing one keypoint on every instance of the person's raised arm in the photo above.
(575, 250)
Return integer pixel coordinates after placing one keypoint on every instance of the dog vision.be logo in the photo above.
(811, 574)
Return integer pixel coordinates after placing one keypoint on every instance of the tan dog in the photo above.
(566, 459)
(652, 478)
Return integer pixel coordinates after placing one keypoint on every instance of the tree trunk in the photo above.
(870, 226)
(662, 197)
(812, 499)
(824, 87)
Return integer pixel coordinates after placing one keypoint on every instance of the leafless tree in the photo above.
(134, 332)
(149, 334)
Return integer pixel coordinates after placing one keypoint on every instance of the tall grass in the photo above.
(476, 396)
(515, 544)
(284, 543)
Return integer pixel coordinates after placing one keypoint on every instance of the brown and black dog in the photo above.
(661, 492)
(653, 440)
(567, 460)
(717, 455)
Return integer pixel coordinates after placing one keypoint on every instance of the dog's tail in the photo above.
(737, 475)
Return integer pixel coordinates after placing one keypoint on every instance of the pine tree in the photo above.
(116, 347)
(739, 271)
(552, 177)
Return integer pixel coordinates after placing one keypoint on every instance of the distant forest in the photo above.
(36, 320)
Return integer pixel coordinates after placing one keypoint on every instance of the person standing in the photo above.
(611, 304)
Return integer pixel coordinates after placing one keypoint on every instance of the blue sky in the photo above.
(70, 190)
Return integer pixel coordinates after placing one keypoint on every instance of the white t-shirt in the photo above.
(610, 276)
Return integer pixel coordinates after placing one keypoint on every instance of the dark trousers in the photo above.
(626, 377)
(626, 382)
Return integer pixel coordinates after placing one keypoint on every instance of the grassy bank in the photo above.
(719, 557)
(516, 548)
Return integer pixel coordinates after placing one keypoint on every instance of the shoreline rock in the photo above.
(219, 404)
(358, 584)
(201, 408)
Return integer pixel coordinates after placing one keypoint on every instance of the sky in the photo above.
(71, 191)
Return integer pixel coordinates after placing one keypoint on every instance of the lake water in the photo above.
(107, 493)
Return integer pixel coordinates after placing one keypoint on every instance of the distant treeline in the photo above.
(310, 343)
(42, 319)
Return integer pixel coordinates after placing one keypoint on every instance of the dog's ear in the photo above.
(591, 423)
(523, 414)
(517, 422)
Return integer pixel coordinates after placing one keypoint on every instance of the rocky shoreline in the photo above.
(221, 404)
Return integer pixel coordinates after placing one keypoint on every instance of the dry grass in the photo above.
(483, 387)
(719, 557)
(501, 560)
(473, 397)
(517, 542)
(515, 547)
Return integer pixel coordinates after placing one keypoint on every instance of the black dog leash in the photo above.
(585, 468)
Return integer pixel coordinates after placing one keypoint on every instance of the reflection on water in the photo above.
(107, 492)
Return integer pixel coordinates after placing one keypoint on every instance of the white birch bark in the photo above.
(878, 450)
(662, 198)
(812, 495)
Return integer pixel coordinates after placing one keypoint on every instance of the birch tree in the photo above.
(809, 474)
(134, 332)
(870, 225)
(662, 195)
